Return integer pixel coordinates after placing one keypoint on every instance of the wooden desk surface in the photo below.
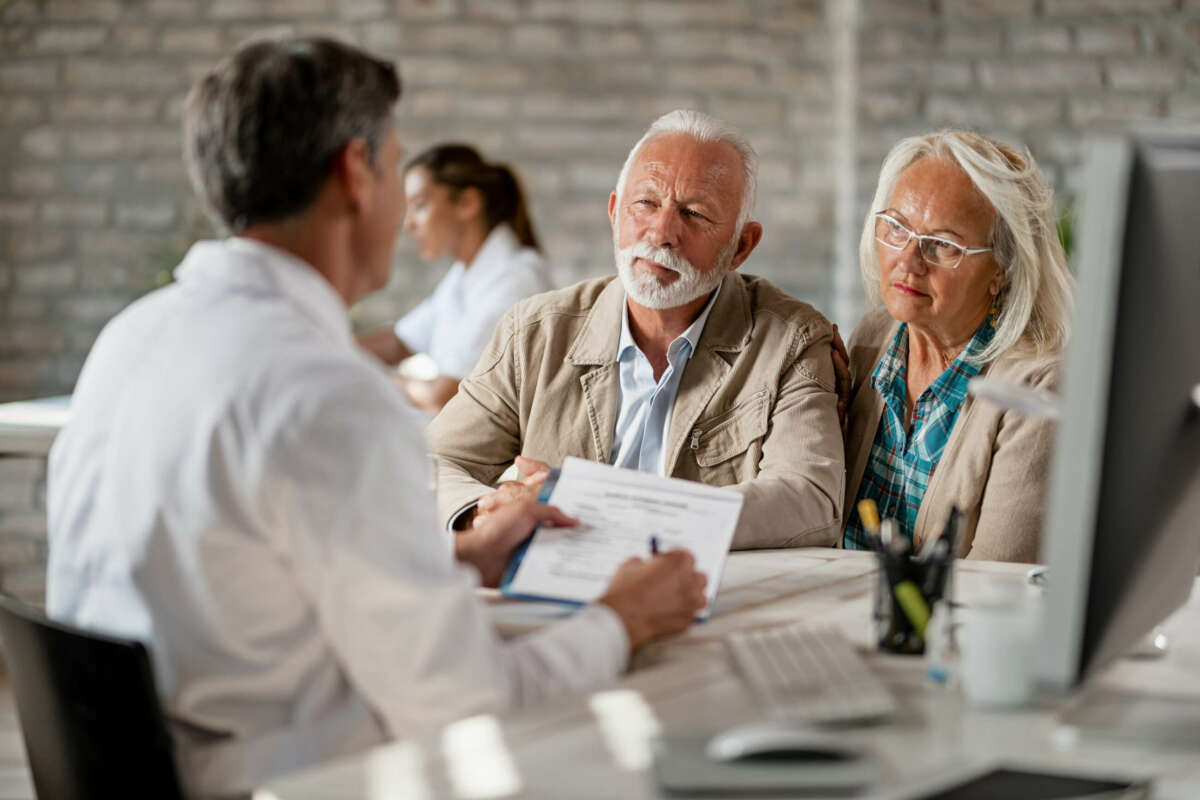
(565, 749)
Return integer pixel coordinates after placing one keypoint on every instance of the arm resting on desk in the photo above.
(796, 498)
(399, 616)
(478, 433)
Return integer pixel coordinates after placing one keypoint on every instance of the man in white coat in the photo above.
(241, 488)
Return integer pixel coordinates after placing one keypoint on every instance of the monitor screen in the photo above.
(1122, 532)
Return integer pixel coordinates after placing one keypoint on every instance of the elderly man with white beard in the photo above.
(683, 367)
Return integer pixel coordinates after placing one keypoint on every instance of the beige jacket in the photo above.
(756, 409)
(996, 463)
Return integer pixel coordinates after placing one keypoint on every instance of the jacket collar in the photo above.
(728, 328)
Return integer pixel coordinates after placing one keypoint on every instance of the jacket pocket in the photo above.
(732, 433)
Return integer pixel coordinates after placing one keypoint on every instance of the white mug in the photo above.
(997, 648)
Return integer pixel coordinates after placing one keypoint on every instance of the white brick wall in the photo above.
(1042, 74)
(94, 203)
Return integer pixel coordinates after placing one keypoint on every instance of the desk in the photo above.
(561, 751)
(28, 427)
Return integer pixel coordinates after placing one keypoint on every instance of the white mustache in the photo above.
(659, 255)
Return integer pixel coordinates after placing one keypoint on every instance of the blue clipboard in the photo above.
(514, 563)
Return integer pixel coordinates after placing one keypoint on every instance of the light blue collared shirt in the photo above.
(644, 416)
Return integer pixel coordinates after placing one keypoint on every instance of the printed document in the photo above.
(619, 510)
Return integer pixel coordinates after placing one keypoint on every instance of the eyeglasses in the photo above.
(934, 249)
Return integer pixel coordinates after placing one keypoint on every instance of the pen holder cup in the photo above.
(905, 593)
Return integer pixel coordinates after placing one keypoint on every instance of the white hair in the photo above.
(1035, 303)
(702, 128)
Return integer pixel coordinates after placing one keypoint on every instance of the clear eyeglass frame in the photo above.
(926, 244)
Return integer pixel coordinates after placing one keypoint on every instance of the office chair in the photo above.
(91, 719)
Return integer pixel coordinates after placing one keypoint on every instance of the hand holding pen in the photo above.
(657, 596)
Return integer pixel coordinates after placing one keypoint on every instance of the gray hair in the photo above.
(1035, 303)
(262, 129)
(702, 128)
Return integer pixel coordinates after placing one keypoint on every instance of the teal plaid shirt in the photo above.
(901, 463)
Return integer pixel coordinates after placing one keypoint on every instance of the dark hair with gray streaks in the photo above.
(262, 129)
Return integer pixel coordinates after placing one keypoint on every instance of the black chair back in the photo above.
(90, 715)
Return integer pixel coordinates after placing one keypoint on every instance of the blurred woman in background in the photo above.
(463, 206)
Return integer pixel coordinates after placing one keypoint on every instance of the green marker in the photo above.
(913, 603)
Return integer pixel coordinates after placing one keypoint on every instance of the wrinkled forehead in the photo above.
(680, 163)
(940, 195)
(712, 177)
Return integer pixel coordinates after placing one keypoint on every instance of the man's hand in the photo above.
(841, 374)
(517, 491)
(489, 543)
(656, 597)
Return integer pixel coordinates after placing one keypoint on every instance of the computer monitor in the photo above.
(1121, 538)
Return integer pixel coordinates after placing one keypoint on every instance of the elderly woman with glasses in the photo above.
(962, 254)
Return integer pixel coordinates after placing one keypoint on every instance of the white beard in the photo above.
(645, 288)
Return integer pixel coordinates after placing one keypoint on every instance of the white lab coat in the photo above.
(242, 489)
(455, 323)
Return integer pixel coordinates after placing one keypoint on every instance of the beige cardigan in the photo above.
(756, 409)
(996, 463)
